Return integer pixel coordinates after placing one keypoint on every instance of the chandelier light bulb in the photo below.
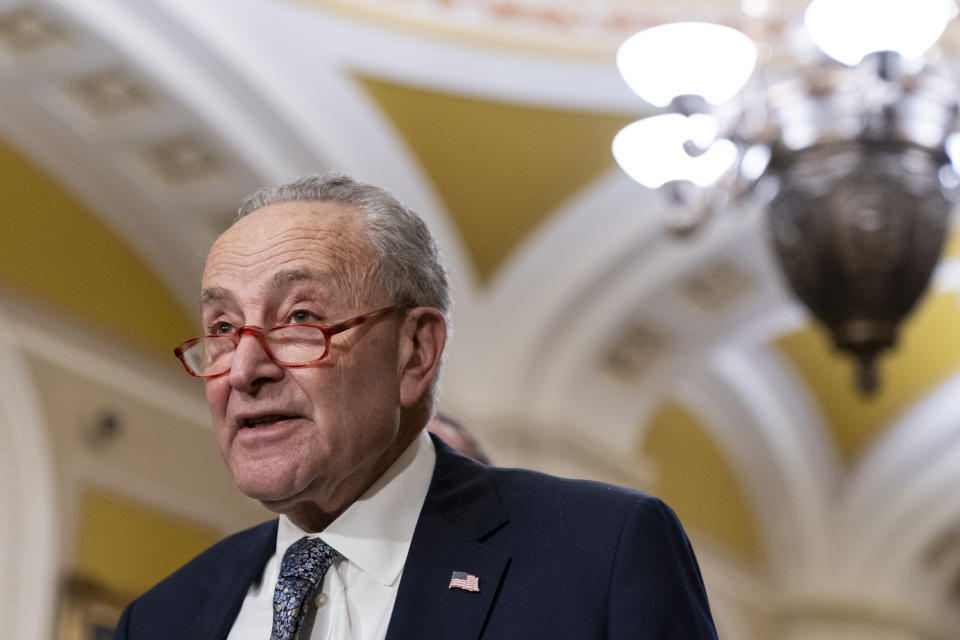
(847, 30)
(687, 58)
(953, 150)
(755, 161)
(651, 150)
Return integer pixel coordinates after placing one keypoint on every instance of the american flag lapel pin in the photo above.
(465, 581)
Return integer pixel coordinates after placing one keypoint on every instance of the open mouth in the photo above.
(264, 421)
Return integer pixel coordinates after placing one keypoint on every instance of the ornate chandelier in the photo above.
(851, 154)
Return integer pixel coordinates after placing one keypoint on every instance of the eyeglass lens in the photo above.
(288, 345)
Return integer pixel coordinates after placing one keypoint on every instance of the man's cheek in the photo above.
(216, 393)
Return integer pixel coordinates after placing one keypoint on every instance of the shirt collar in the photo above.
(374, 533)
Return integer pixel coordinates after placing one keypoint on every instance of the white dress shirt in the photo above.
(371, 538)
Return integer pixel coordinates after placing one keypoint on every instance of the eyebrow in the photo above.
(214, 294)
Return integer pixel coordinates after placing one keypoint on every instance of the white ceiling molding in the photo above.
(743, 602)
(535, 291)
(141, 381)
(911, 443)
(778, 441)
(299, 74)
(458, 66)
(88, 471)
(39, 116)
(598, 285)
(906, 488)
(516, 441)
(149, 37)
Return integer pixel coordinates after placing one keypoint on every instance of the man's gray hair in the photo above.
(409, 265)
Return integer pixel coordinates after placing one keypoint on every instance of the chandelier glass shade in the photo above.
(849, 30)
(673, 146)
(693, 58)
(851, 156)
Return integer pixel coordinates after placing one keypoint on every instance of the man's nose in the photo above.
(252, 365)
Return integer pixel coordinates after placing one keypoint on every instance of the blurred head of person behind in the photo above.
(455, 435)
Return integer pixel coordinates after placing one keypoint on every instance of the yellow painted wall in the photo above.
(128, 547)
(952, 248)
(501, 169)
(929, 352)
(56, 250)
(695, 478)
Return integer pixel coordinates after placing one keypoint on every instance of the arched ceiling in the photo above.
(135, 128)
(497, 203)
(57, 251)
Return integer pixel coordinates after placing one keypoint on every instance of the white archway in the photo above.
(29, 544)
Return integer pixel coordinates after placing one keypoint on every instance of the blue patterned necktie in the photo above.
(301, 576)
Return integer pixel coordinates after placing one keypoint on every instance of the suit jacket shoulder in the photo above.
(554, 558)
(202, 598)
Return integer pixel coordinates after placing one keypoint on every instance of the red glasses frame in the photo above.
(259, 333)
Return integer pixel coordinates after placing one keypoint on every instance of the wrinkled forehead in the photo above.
(316, 237)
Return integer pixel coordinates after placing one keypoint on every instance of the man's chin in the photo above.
(302, 511)
(272, 495)
(279, 505)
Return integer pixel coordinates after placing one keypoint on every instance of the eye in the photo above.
(302, 316)
(221, 328)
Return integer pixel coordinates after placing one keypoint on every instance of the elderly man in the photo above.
(324, 313)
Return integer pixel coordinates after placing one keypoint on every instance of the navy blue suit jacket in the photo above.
(555, 558)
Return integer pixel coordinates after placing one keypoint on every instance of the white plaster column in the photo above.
(28, 516)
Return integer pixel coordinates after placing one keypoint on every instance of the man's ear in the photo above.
(422, 338)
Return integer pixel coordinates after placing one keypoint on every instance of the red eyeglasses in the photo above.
(290, 345)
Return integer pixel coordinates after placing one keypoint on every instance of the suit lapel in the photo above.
(227, 589)
(460, 512)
